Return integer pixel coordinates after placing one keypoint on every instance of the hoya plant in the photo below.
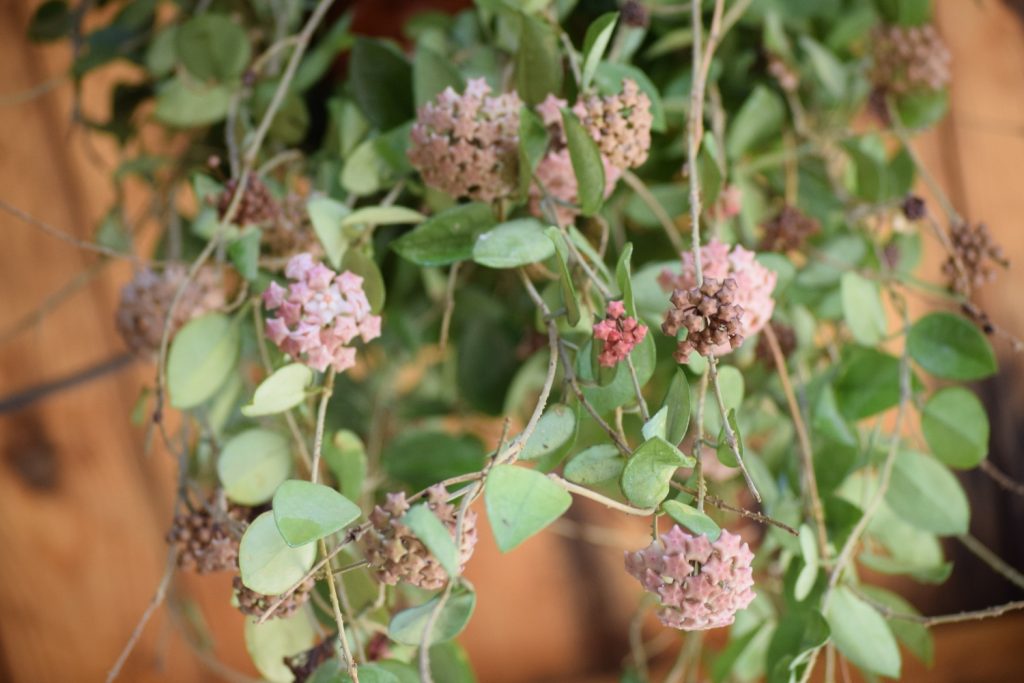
(659, 255)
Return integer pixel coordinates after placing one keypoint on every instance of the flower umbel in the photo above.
(620, 334)
(319, 314)
(700, 584)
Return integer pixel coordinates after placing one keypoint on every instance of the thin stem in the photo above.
(350, 661)
(644, 413)
(158, 599)
(743, 512)
(992, 560)
(48, 229)
(817, 510)
(974, 615)
(698, 450)
(604, 500)
(449, 305)
(730, 435)
(655, 207)
(1001, 478)
(321, 418)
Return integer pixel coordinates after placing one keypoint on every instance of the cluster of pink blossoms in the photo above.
(620, 334)
(701, 584)
(319, 314)
(754, 283)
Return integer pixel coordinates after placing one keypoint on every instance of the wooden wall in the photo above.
(82, 513)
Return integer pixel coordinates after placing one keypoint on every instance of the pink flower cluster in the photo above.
(319, 314)
(755, 283)
(620, 334)
(701, 584)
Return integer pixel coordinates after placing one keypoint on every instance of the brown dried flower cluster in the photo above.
(783, 73)
(147, 298)
(976, 254)
(787, 230)
(256, 207)
(467, 145)
(291, 232)
(206, 539)
(255, 604)
(710, 316)
(619, 124)
(907, 58)
(787, 343)
(398, 555)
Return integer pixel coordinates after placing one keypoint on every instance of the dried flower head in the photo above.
(255, 604)
(290, 233)
(620, 334)
(787, 344)
(788, 230)
(467, 145)
(398, 555)
(785, 75)
(319, 314)
(206, 540)
(701, 585)
(914, 207)
(305, 664)
(907, 58)
(710, 316)
(620, 124)
(975, 255)
(146, 300)
(754, 283)
(256, 207)
(634, 13)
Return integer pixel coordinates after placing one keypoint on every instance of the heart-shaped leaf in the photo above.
(266, 562)
(284, 389)
(521, 502)
(306, 512)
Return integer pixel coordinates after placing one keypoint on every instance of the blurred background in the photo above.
(83, 513)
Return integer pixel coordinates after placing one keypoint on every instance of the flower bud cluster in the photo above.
(620, 334)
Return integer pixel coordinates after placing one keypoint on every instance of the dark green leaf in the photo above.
(677, 401)
(447, 237)
(538, 61)
(624, 278)
(374, 63)
(587, 164)
(533, 143)
(725, 453)
(407, 627)
(599, 33)
(420, 458)
(188, 105)
(432, 73)
(565, 283)
(868, 382)
(52, 21)
(213, 47)
(921, 109)
(645, 479)
(956, 427)
(514, 243)
(692, 518)
(595, 465)
(950, 347)
(520, 503)
(760, 117)
(244, 252)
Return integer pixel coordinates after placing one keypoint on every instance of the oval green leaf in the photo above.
(595, 465)
(950, 347)
(306, 512)
(862, 308)
(587, 164)
(646, 476)
(516, 243)
(407, 626)
(252, 465)
(925, 493)
(284, 389)
(447, 237)
(270, 642)
(862, 635)
(956, 427)
(267, 564)
(202, 355)
(520, 503)
(692, 518)
(555, 430)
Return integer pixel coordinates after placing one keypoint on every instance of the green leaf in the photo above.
(587, 164)
(449, 663)
(533, 144)
(692, 518)
(950, 347)
(420, 458)
(162, 53)
(862, 308)
(606, 398)
(383, 215)
(827, 67)
(915, 637)
(926, 494)
(284, 389)
(447, 237)
(956, 427)
(202, 355)
(358, 263)
(520, 503)
(922, 108)
(431, 74)
(435, 535)
(760, 117)
(565, 283)
(655, 426)
(645, 479)
(253, 464)
(345, 455)
(862, 635)
(374, 63)
(188, 105)
(323, 54)
(599, 33)
(677, 402)
(213, 47)
(271, 642)
(407, 626)
(624, 278)
(267, 564)
(725, 454)
(512, 244)
(244, 252)
(306, 512)
(555, 431)
(595, 465)
(868, 382)
(538, 61)
(51, 21)
(809, 573)
(327, 215)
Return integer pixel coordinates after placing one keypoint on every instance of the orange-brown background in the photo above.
(82, 512)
